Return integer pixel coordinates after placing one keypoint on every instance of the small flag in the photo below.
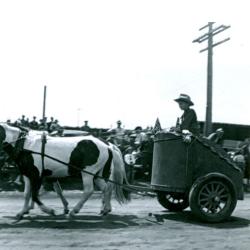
(157, 126)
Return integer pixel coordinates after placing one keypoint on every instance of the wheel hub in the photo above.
(213, 197)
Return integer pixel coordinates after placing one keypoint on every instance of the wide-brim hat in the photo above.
(138, 128)
(184, 98)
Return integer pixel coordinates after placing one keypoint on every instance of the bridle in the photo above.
(18, 144)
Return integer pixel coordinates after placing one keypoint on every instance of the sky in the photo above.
(104, 60)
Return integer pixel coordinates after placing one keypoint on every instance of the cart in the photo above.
(198, 174)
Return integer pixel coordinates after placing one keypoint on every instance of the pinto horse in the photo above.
(56, 157)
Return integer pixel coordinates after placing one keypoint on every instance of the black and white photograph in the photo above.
(124, 125)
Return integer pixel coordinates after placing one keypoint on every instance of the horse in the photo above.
(56, 185)
(40, 155)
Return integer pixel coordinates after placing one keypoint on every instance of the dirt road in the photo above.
(141, 224)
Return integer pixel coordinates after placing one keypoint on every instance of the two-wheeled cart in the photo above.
(198, 174)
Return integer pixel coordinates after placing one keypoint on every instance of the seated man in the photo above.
(188, 120)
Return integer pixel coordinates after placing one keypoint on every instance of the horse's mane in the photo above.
(24, 129)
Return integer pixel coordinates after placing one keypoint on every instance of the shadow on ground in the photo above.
(187, 217)
(110, 221)
(113, 221)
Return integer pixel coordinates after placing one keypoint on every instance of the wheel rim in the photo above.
(214, 197)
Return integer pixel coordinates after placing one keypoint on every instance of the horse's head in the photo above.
(9, 134)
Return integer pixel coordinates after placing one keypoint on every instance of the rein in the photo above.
(128, 187)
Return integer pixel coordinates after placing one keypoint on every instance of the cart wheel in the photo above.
(213, 199)
(174, 202)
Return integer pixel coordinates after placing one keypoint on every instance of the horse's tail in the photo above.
(118, 177)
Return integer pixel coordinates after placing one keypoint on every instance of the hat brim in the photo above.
(184, 100)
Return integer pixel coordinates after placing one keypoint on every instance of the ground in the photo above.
(141, 224)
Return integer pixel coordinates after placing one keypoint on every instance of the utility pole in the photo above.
(209, 37)
(44, 102)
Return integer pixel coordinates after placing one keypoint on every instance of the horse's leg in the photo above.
(32, 204)
(106, 189)
(27, 195)
(35, 186)
(41, 192)
(88, 189)
(58, 190)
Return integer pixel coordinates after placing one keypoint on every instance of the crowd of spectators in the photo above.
(42, 124)
(118, 135)
(128, 140)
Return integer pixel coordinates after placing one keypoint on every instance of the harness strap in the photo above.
(19, 145)
(44, 141)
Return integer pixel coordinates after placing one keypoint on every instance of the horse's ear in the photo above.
(22, 128)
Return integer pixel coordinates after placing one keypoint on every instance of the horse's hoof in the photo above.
(72, 214)
(53, 213)
(27, 212)
(105, 212)
(19, 217)
(66, 211)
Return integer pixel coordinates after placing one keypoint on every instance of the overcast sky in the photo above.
(107, 60)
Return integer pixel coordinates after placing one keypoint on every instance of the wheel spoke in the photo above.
(205, 205)
(226, 196)
(204, 193)
(222, 190)
(217, 188)
(204, 199)
(212, 187)
(207, 189)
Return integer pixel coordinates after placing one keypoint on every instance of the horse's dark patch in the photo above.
(86, 153)
(8, 148)
(47, 172)
(25, 162)
(26, 166)
(2, 135)
(107, 167)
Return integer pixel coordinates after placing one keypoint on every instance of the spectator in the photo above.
(8, 122)
(119, 134)
(140, 137)
(85, 127)
(43, 124)
(17, 122)
(245, 149)
(23, 121)
(50, 123)
(216, 137)
(27, 122)
(55, 126)
(34, 124)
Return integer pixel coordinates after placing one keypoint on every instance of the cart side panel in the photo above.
(208, 161)
(169, 170)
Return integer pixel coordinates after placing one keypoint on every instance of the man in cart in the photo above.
(188, 120)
